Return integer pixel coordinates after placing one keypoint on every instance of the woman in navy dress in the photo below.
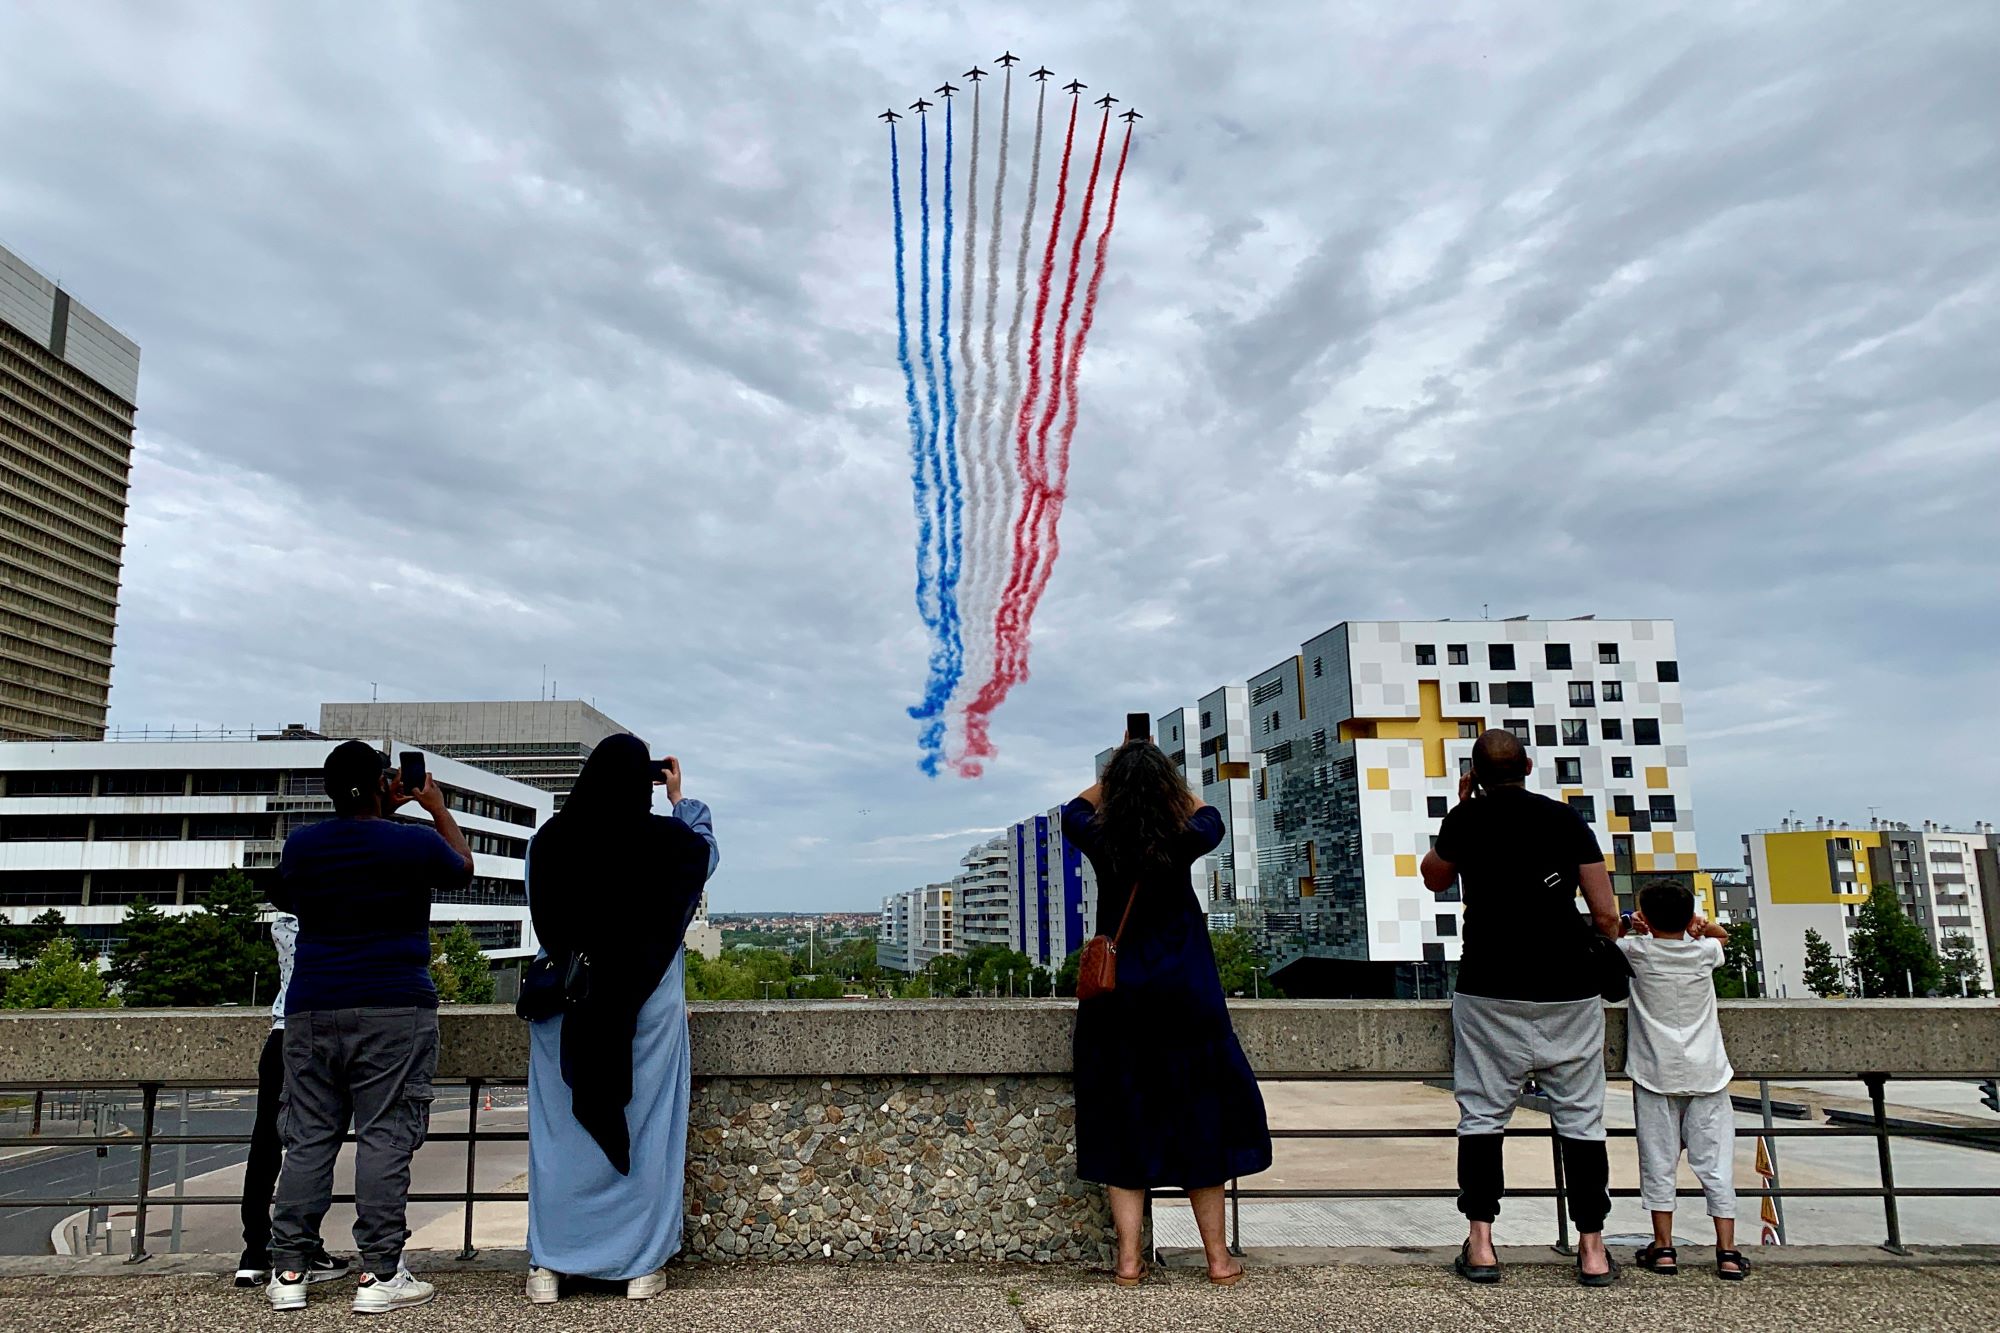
(1164, 1095)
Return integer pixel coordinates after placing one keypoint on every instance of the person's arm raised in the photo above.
(431, 800)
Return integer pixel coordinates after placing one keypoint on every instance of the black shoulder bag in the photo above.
(1609, 970)
(553, 985)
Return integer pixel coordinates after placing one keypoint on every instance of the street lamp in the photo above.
(1256, 981)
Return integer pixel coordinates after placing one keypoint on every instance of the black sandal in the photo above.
(1604, 1279)
(1732, 1257)
(1484, 1274)
(1661, 1259)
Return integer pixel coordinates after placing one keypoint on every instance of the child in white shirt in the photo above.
(1680, 1073)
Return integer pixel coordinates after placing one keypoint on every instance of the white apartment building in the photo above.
(1817, 878)
(1333, 768)
(88, 827)
(917, 925)
(985, 896)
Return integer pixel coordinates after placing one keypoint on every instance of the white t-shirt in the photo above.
(1673, 1043)
(285, 939)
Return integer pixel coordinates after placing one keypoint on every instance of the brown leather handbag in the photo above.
(1097, 970)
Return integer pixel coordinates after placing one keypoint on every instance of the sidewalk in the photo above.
(1355, 1293)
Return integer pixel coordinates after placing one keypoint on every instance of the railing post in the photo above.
(149, 1098)
(1562, 1189)
(1894, 1244)
(1235, 1217)
(471, 1161)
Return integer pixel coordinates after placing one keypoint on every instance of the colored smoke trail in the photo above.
(1060, 490)
(978, 740)
(933, 478)
(918, 480)
(966, 419)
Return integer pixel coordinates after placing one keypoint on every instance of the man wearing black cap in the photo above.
(360, 1020)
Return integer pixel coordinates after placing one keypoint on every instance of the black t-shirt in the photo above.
(1524, 940)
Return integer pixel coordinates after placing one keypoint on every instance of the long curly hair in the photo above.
(1145, 807)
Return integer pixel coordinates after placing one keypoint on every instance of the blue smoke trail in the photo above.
(918, 478)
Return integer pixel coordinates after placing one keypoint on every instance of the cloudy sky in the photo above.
(486, 336)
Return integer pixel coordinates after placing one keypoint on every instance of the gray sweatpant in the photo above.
(373, 1067)
(1498, 1044)
(1706, 1126)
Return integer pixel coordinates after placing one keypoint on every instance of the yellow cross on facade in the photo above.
(1430, 726)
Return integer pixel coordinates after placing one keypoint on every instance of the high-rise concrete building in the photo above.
(1333, 768)
(917, 925)
(985, 896)
(542, 742)
(68, 385)
(1947, 880)
(89, 827)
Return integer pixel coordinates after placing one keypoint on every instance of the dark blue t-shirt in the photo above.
(361, 889)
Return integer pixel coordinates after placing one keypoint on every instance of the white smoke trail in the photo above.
(972, 518)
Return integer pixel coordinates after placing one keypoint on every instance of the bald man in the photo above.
(1527, 1003)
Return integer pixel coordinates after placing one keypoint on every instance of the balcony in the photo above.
(983, 1089)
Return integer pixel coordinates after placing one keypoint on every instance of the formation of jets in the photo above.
(1007, 60)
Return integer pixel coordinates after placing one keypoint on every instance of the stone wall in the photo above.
(889, 1168)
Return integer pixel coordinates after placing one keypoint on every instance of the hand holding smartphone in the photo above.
(1138, 726)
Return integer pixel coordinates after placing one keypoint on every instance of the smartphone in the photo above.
(1138, 726)
(411, 767)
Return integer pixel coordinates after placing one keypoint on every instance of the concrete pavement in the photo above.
(1357, 1291)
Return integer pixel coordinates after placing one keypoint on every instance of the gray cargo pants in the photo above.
(372, 1067)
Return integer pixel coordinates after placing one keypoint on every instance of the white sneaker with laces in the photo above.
(544, 1286)
(647, 1287)
(377, 1295)
(286, 1291)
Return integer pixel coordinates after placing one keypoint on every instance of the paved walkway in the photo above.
(1358, 1290)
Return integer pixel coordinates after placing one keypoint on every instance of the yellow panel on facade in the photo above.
(1656, 778)
(1378, 779)
(1799, 865)
(1642, 862)
(1406, 865)
(1618, 823)
(1663, 842)
(1687, 861)
(1704, 894)
(1571, 793)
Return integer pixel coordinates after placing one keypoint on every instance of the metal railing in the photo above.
(1879, 1127)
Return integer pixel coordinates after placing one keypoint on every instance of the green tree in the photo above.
(215, 955)
(131, 969)
(1736, 979)
(1890, 950)
(825, 986)
(57, 979)
(1822, 975)
(854, 958)
(1240, 965)
(948, 975)
(1066, 974)
(30, 938)
(458, 969)
(1960, 966)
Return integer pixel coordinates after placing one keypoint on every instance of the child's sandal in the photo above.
(1660, 1259)
(1742, 1269)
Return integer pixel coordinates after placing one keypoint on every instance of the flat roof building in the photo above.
(89, 827)
(68, 387)
(542, 742)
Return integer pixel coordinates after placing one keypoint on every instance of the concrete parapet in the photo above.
(979, 1038)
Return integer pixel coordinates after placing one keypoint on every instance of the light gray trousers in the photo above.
(1705, 1126)
(373, 1067)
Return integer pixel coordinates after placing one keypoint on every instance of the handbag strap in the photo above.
(1130, 898)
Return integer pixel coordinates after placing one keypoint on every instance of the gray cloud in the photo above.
(483, 337)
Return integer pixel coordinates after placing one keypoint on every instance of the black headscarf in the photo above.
(618, 883)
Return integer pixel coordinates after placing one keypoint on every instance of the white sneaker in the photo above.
(378, 1295)
(544, 1286)
(286, 1291)
(647, 1287)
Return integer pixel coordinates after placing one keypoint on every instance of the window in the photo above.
(1276, 721)
(1569, 772)
(1205, 723)
(1177, 731)
(129, 886)
(1455, 654)
(1621, 804)
(1670, 672)
(1621, 766)
(1520, 694)
(1268, 691)
(143, 784)
(1519, 726)
(1447, 924)
(1427, 654)
(1575, 731)
(1437, 806)
(1661, 808)
(1500, 656)
(1318, 667)
(1611, 729)
(1614, 692)
(44, 828)
(1582, 694)
(1468, 731)
(1585, 806)
(1557, 656)
(254, 782)
(1545, 735)
(1319, 743)
(1645, 731)
(139, 828)
(1465, 766)
(48, 784)
(1621, 852)
(1468, 691)
(1208, 778)
(1607, 654)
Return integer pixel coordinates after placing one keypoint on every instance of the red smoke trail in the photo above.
(1060, 488)
(978, 743)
